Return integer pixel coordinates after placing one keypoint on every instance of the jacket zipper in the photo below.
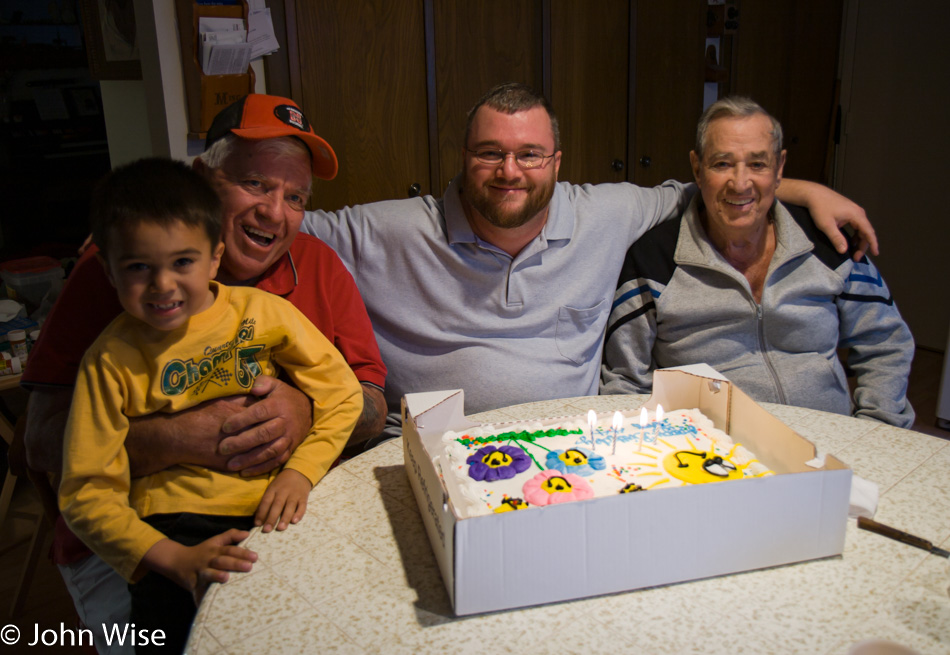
(760, 333)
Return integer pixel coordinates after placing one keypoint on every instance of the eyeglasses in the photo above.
(526, 159)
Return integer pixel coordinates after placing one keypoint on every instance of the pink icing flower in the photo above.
(549, 487)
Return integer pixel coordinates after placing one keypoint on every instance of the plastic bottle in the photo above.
(17, 340)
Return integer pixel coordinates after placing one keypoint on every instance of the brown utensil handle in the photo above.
(893, 533)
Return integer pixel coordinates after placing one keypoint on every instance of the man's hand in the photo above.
(252, 434)
(159, 441)
(265, 434)
(830, 210)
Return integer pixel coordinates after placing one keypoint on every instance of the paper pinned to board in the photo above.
(260, 33)
(223, 46)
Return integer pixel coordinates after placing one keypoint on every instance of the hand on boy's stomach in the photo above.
(263, 434)
(253, 433)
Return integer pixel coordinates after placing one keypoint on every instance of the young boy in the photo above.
(184, 339)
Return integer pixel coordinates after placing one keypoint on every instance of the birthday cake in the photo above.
(514, 466)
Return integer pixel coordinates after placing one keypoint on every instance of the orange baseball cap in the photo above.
(257, 116)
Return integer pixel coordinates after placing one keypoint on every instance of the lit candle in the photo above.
(643, 427)
(591, 422)
(618, 422)
(659, 420)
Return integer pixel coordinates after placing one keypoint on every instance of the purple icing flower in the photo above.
(489, 463)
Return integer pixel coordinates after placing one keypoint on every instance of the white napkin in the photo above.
(864, 495)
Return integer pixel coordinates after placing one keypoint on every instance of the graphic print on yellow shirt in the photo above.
(215, 366)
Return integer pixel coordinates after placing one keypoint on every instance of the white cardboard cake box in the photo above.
(631, 541)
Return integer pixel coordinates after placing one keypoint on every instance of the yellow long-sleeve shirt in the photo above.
(133, 369)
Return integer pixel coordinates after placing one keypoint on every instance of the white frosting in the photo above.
(638, 457)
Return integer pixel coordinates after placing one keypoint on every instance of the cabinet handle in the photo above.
(414, 190)
(617, 165)
(645, 161)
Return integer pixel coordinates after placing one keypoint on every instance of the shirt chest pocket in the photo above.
(578, 333)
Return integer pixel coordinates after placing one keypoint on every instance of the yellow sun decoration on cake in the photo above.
(699, 465)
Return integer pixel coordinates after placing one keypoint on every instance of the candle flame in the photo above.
(643, 417)
(618, 420)
(659, 413)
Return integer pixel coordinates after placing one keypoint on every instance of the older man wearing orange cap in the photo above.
(261, 156)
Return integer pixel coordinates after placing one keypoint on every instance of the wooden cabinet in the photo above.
(590, 87)
(360, 76)
(667, 88)
(476, 46)
(389, 83)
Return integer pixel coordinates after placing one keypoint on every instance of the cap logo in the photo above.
(292, 116)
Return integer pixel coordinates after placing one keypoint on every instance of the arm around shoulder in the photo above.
(830, 210)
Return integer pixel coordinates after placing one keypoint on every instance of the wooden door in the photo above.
(667, 88)
(363, 85)
(477, 46)
(590, 75)
(786, 59)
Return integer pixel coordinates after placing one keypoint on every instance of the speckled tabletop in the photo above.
(357, 575)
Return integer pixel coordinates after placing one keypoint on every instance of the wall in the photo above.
(123, 103)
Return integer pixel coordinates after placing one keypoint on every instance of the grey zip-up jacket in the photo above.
(680, 302)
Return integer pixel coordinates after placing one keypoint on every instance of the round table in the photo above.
(357, 575)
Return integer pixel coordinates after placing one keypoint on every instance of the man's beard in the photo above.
(498, 214)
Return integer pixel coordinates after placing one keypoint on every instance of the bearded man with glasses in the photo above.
(503, 286)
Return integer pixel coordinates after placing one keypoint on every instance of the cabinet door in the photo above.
(363, 86)
(590, 75)
(477, 46)
(668, 88)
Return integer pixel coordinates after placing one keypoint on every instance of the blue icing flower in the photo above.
(576, 460)
(489, 463)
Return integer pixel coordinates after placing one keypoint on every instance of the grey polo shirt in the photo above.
(451, 311)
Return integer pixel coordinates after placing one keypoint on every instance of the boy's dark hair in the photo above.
(153, 190)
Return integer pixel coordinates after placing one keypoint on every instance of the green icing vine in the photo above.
(524, 435)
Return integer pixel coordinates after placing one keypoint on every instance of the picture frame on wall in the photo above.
(111, 44)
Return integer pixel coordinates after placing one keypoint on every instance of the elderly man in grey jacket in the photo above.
(747, 285)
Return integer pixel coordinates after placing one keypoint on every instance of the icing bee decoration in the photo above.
(510, 505)
(576, 460)
(630, 488)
